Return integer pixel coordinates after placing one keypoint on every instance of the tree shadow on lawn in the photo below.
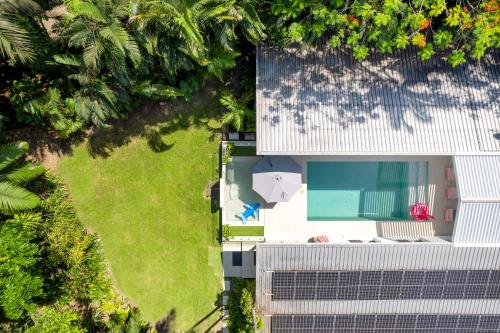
(165, 325)
(46, 147)
(152, 120)
(207, 318)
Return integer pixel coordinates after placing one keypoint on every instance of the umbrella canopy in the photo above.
(276, 178)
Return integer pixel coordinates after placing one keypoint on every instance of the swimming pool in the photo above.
(372, 190)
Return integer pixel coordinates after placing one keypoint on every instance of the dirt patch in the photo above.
(46, 147)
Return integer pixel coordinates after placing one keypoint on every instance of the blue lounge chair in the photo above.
(251, 211)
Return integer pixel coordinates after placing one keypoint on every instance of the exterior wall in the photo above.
(247, 269)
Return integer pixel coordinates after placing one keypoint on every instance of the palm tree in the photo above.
(15, 41)
(238, 114)
(97, 101)
(13, 174)
(96, 27)
(188, 32)
(104, 52)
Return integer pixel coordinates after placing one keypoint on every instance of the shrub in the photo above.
(20, 277)
(226, 232)
(72, 255)
(229, 153)
(55, 319)
(241, 307)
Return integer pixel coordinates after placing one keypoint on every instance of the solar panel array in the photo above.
(386, 323)
(383, 285)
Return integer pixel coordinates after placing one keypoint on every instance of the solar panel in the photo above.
(385, 285)
(349, 278)
(386, 323)
(329, 279)
(489, 322)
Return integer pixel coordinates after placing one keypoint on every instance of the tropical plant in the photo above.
(15, 173)
(55, 319)
(457, 26)
(129, 322)
(72, 254)
(241, 309)
(97, 101)
(15, 40)
(20, 279)
(103, 52)
(186, 34)
(238, 114)
(97, 28)
(227, 233)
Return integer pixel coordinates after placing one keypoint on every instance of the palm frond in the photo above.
(14, 198)
(23, 7)
(220, 61)
(252, 26)
(25, 173)
(156, 91)
(11, 152)
(85, 8)
(92, 54)
(15, 41)
(69, 59)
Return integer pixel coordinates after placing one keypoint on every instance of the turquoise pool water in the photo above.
(362, 190)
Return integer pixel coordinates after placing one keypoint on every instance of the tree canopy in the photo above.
(100, 59)
(459, 27)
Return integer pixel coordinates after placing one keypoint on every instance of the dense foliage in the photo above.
(241, 307)
(460, 27)
(93, 60)
(52, 276)
(74, 63)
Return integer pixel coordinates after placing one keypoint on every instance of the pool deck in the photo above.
(287, 221)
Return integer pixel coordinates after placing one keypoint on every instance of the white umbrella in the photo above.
(276, 178)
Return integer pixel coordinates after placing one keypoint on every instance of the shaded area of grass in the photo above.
(244, 151)
(247, 231)
(143, 193)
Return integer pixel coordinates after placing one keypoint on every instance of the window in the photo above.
(237, 259)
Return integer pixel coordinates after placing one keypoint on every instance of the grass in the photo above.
(247, 231)
(146, 202)
(244, 151)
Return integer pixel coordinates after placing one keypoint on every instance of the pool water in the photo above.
(362, 190)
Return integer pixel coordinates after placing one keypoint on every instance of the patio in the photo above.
(287, 222)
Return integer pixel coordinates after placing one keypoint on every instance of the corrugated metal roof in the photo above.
(477, 223)
(478, 177)
(319, 101)
(417, 256)
(478, 213)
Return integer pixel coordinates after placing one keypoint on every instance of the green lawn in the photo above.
(158, 230)
(245, 151)
(247, 231)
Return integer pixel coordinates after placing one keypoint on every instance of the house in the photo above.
(378, 143)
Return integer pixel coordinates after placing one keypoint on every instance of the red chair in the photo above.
(420, 212)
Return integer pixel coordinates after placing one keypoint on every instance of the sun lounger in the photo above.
(251, 211)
